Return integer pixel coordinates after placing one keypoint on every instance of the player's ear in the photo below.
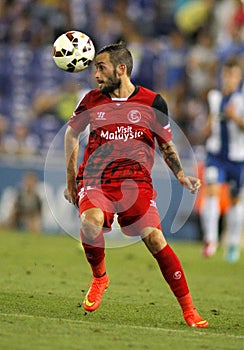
(121, 69)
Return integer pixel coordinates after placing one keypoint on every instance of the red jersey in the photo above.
(122, 135)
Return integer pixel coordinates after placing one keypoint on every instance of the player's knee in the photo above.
(154, 240)
(212, 190)
(235, 200)
(92, 222)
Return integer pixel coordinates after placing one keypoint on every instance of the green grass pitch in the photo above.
(44, 278)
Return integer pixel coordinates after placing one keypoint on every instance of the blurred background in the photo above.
(178, 48)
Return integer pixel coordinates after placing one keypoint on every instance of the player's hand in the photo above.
(70, 194)
(191, 183)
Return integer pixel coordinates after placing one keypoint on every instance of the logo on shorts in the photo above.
(153, 203)
(177, 275)
(134, 116)
(83, 191)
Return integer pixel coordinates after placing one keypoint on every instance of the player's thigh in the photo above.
(236, 180)
(143, 213)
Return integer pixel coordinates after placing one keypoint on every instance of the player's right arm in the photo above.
(76, 125)
(71, 147)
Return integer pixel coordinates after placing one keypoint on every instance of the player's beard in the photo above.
(113, 83)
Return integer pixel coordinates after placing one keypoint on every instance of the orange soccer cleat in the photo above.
(93, 297)
(193, 319)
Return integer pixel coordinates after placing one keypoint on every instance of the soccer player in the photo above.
(114, 177)
(225, 161)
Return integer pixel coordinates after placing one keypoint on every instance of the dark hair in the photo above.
(231, 62)
(119, 54)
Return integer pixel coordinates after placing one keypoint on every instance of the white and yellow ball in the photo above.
(73, 51)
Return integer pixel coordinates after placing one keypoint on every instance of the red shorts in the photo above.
(133, 202)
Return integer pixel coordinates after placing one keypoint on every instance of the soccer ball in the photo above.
(73, 51)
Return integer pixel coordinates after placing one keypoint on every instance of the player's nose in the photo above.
(96, 74)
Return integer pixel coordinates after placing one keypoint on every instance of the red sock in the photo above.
(186, 303)
(172, 271)
(95, 256)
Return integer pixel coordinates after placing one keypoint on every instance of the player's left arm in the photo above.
(231, 113)
(172, 159)
(167, 147)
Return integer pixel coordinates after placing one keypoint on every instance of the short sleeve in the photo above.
(163, 132)
(80, 117)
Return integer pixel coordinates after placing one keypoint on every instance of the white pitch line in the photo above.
(207, 332)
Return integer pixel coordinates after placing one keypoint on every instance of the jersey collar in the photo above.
(124, 99)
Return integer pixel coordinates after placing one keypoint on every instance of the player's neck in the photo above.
(228, 90)
(124, 91)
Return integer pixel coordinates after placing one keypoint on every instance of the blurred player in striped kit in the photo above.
(225, 161)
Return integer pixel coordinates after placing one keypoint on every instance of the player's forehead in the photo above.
(233, 71)
(103, 58)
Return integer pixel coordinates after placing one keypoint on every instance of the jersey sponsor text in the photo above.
(122, 133)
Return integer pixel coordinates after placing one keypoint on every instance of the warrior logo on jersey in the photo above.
(134, 116)
(100, 116)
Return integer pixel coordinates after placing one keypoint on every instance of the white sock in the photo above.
(210, 219)
(234, 223)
